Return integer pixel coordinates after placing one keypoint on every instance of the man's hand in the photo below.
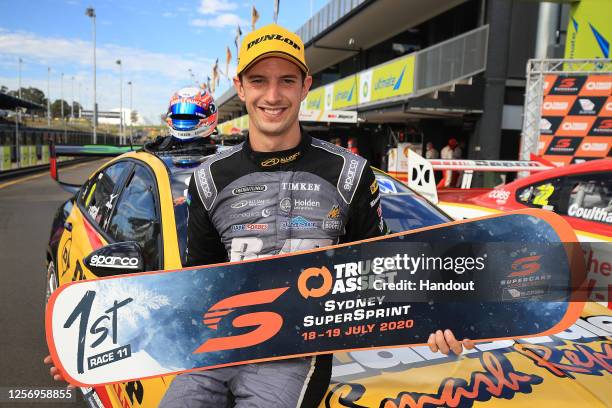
(446, 342)
(55, 372)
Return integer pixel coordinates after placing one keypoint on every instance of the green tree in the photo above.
(56, 109)
(77, 109)
(31, 94)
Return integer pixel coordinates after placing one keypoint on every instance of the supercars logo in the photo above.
(265, 324)
(525, 266)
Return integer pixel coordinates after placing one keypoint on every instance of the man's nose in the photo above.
(273, 94)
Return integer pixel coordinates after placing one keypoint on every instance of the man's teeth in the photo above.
(273, 111)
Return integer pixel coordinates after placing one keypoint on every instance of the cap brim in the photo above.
(278, 54)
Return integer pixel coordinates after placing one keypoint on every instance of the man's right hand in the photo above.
(55, 372)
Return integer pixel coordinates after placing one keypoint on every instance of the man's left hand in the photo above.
(445, 342)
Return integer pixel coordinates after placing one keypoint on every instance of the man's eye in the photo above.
(289, 81)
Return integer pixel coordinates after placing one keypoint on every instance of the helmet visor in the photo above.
(186, 116)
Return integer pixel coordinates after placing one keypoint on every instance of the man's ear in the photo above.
(306, 86)
(239, 88)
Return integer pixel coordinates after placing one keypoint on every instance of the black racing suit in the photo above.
(245, 204)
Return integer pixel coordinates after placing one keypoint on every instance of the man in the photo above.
(431, 152)
(278, 192)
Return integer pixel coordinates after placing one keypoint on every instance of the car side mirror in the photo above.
(115, 259)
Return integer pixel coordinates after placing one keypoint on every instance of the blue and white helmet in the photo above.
(192, 113)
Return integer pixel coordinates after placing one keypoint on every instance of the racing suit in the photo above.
(245, 204)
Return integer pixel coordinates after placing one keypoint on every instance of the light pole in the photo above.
(17, 120)
(121, 141)
(131, 111)
(48, 97)
(72, 103)
(90, 12)
(79, 100)
(62, 107)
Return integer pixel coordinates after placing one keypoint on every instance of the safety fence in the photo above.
(29, 147)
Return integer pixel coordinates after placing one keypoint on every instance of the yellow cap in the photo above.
(271, 41)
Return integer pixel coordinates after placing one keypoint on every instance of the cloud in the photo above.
(219, 21)
(216, 6)
(155, 75)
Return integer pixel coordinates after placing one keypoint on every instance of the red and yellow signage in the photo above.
(576, 123)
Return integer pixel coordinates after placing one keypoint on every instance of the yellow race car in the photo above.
(140, 196)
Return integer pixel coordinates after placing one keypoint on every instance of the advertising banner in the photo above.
(589, 30)
(315, 99)
(5, 157)
(576, 122)
(345, 94)
(393, 79)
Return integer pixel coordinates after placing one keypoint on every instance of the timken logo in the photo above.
(269, 37)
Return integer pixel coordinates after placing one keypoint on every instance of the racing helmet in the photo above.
(191, 113)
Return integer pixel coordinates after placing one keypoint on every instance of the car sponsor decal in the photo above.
(591, 214)
(298, 223)
(386, 185)
(250, 227)
(273, 161)
(249, 189)
(285, 205)
(301, 186)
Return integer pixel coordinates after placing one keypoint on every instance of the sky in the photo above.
(156, 41)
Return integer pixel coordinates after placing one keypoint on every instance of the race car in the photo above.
(580, 193)
(140, 196)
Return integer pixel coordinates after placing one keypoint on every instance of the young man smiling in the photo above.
(279, 191)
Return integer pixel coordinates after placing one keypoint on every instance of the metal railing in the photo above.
(333, 11)
(436, 67)
(452, 60)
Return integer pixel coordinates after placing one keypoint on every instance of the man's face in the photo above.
(272, 90)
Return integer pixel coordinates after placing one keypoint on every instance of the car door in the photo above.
(135, 216)
(83, 229)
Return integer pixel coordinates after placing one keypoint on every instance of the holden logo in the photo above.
(285, 204)
(265, 212)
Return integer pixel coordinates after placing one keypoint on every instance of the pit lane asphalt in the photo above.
(27, 207)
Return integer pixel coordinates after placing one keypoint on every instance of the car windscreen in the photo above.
(180, 175)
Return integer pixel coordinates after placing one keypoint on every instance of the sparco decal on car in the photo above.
(114, 261)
